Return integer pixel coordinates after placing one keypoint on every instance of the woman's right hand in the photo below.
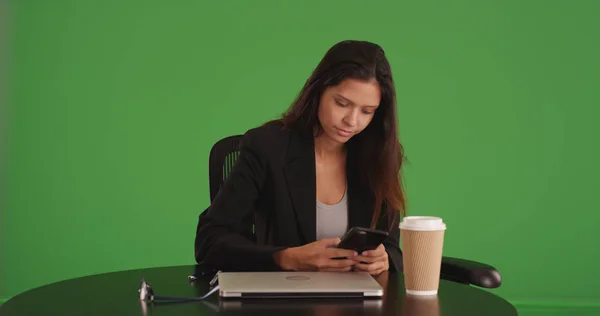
(316, 256)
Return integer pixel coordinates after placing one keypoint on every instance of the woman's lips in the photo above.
(344, 132)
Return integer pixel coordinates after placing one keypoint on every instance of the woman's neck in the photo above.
(327, 148)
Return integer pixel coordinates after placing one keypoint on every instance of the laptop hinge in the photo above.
(300, 295)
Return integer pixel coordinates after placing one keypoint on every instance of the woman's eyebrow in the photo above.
(352, 102)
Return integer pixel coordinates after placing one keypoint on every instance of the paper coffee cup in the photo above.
(422, 240)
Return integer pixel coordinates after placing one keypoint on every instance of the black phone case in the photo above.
(361, 239)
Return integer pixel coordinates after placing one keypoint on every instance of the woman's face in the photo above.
(348, 108)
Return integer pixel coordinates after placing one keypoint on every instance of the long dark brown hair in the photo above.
(377, 147)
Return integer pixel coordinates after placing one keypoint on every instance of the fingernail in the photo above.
(355, 254)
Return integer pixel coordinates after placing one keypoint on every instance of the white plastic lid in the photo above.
(422, 223)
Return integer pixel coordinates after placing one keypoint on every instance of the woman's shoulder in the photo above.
(267, 132)
(269, 138)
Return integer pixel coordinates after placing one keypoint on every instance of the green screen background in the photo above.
(112, 108)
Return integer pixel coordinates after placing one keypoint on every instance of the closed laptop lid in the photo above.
(298, 284)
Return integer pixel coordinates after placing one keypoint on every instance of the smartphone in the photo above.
(360, 239)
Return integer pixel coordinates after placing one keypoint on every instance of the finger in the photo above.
(362, 266)
(368, 259)
(330, 242)
(341, 263)
(371, 268)
(340, 253)
(379, 251)
(376, 272)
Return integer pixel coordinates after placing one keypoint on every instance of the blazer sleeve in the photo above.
(392, 243)
(224, 238)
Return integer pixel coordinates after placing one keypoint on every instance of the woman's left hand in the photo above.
(372, 261)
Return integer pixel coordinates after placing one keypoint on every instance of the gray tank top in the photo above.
(332, 220)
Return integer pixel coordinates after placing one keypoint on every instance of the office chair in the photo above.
(223, 156)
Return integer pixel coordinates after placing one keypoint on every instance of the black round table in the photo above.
(116, 293)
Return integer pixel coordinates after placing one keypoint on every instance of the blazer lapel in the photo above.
(300, 174)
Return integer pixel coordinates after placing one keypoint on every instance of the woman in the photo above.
(330, 163)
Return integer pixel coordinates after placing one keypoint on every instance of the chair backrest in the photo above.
(221, 160)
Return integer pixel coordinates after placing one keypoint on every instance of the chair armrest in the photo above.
(470, 272)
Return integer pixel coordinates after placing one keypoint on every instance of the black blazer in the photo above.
(273, 186)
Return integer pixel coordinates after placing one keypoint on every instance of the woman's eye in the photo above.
(340, 103)
(367, 112)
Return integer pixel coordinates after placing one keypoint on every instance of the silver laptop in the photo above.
(298, 285)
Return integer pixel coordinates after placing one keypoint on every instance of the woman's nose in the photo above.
(351, 118)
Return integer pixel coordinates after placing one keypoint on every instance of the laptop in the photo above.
(298, 285)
